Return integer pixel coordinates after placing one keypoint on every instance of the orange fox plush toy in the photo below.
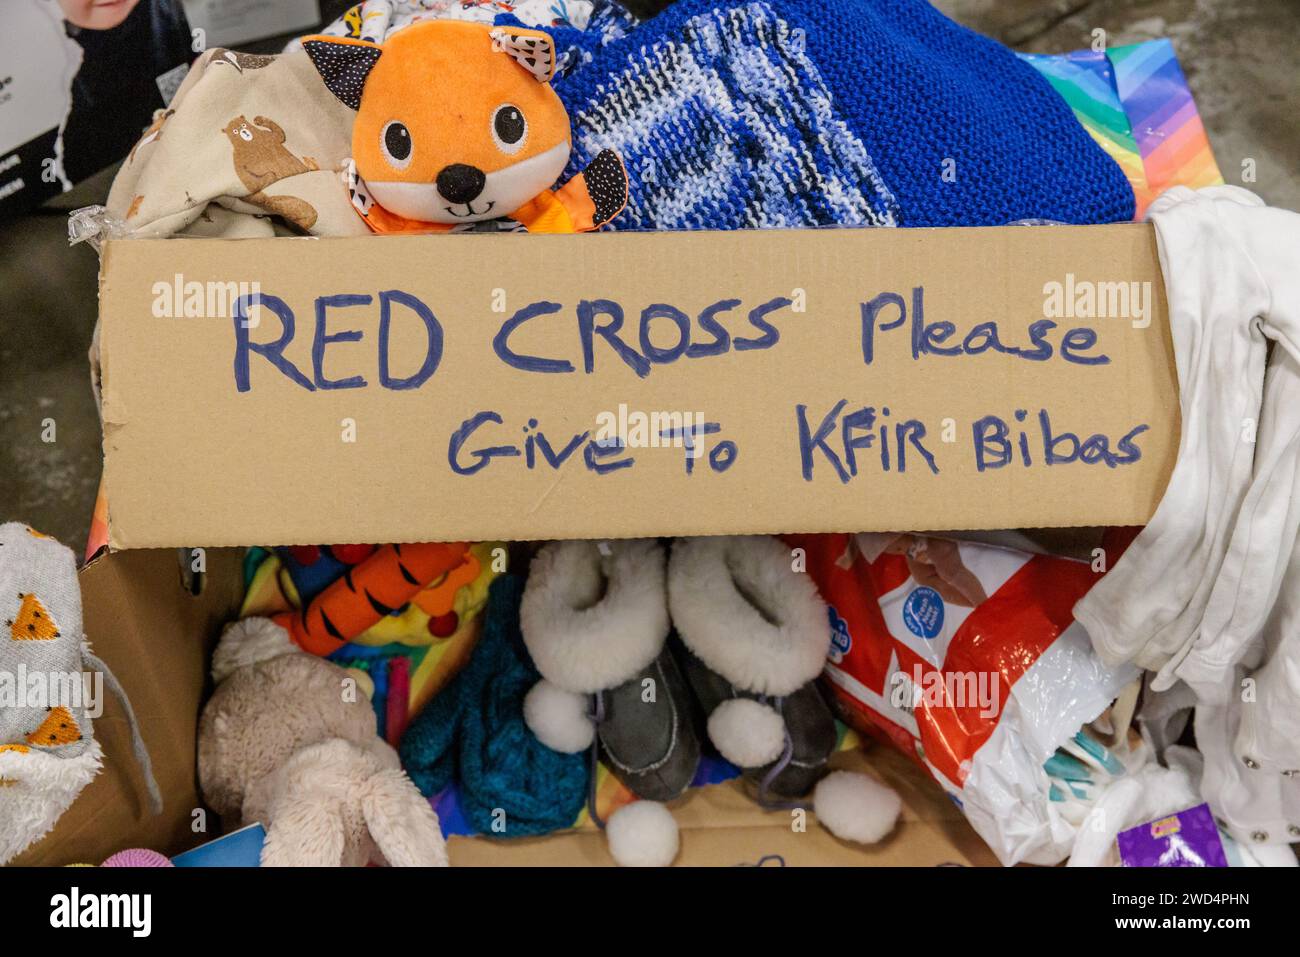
(458, 128)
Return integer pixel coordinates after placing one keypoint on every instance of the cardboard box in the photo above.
(831, 380)
(158, 637)
(210, 442)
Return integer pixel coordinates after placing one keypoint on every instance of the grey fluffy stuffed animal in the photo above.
(282, 742)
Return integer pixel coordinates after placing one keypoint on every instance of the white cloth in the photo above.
(1196, 586)
(1209, 593)
(1257, 806)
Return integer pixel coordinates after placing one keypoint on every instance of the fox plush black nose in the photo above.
(459, 183)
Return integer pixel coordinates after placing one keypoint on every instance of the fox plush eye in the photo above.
(395, 141)
(509, 129)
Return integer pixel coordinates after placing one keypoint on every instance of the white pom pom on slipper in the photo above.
(642, 834)
(856, 807)
(558, 718)
(747, 733)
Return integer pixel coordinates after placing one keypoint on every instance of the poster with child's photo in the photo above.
(79, 81)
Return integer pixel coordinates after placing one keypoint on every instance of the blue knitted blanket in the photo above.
(735, 114)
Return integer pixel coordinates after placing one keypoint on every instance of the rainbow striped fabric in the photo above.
(1135, 102)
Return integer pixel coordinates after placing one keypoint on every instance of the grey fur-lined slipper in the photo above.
(595, 620)
(756, 634)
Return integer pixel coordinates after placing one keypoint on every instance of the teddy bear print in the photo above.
(261, 159)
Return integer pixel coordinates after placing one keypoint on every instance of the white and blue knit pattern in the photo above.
(734, 125)
(734, 114)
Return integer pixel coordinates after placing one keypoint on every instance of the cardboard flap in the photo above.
(478, 386)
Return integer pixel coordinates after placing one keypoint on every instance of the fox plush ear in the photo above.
(531, 49)
(343, 64)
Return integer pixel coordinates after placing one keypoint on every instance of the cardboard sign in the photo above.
(518, 387)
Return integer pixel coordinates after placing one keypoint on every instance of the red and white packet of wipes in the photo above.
(967, 658)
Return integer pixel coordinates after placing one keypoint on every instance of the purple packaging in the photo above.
(1187, 839)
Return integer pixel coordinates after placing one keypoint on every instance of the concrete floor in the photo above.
(1239, 56)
